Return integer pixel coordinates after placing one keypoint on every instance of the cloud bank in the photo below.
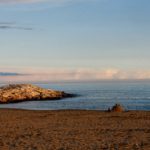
(75, 75)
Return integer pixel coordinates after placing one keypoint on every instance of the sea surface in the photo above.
(133, 95)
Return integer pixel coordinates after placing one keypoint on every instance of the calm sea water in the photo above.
(133, 95)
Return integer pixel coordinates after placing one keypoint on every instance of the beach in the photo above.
(74, 130)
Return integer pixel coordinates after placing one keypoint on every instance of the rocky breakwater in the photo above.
(26, 92)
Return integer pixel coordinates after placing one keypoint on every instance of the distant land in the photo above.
(10, 74)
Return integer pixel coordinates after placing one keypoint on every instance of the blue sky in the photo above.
(102, 38)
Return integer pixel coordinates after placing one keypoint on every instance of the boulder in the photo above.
(27, 92)
(116, 108)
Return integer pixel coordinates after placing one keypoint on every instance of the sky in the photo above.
(44, 40)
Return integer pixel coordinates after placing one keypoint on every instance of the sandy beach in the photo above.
(74, 130)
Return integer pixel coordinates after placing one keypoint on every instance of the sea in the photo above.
(96, 95)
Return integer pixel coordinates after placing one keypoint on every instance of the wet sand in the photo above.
(74, 130)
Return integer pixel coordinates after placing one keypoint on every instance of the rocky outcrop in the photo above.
(26, 92)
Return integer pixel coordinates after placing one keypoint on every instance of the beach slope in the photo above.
(73, 130)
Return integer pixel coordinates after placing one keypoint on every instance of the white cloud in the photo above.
(77, 74)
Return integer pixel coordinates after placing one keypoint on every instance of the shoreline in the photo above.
(61, 110)
(73, 129)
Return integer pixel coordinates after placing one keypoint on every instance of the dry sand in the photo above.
(74, 130)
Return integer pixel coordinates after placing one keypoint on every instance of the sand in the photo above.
(74, 130)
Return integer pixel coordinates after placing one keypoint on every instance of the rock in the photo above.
(27, 92)
(116, 108)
